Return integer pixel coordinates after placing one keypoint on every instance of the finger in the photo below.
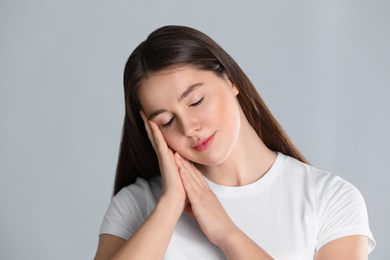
(178, 160)
(202, 178)
(154, 134)
(193, 189)
(188, 169)
(147, 125)
(158, 137)
(195, 173)
(188, 210)
(188, 184)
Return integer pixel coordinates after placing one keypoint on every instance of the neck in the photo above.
(249, 161)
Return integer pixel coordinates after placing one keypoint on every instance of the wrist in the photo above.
(237, 245)
(171, 203)
(228, 237)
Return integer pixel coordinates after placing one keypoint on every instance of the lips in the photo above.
(204, 143)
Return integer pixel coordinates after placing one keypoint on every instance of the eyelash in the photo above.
(192, 105)
(168, 124)
(197, 103)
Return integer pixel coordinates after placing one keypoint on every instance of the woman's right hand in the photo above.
(172, 186)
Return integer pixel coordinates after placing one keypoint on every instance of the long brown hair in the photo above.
(173, 46)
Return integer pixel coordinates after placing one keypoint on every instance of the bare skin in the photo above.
(232, 159)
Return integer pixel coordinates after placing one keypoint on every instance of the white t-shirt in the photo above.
(291, 212)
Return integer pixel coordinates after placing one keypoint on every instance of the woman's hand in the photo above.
(203, 204)
(172, 186)
(184, 186)
(212, 218)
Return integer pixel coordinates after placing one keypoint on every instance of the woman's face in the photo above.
(196, 111)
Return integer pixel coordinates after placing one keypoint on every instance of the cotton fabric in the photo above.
(291, 212)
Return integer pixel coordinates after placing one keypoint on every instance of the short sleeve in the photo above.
(343, 213)
(128, 210)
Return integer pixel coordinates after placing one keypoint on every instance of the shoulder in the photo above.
(143, 193)
(140, 186)
(326, 192)
(340, 207)
(130, 207)
(314, 178)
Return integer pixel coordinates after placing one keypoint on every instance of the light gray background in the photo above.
(323, 68)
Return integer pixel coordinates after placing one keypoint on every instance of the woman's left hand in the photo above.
(203, 204)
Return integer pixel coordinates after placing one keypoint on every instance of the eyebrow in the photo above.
(189, 90)
(182, 96)
(156, 113)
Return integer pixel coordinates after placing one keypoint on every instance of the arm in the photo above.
(349, 247)
(238, 246)
(108, 245)
(344, 217)
(151, 239)
(213, 219)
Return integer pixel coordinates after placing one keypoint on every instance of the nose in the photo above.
(190, 126)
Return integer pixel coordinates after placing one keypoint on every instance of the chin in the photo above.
(211, 160)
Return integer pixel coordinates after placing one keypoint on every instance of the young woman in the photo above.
(206, 172)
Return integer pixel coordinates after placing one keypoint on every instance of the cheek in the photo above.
(213, 112)
(227, 110)
(173, 140)
(169, 138)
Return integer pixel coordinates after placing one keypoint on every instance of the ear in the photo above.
(235, 89)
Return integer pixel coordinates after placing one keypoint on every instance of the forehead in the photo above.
(172, 76)
(170, 82)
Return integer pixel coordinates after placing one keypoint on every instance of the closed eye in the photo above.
(192, 105)
(167, 124)
(197, 103)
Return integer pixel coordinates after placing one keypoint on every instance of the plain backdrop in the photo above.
(322, 67)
